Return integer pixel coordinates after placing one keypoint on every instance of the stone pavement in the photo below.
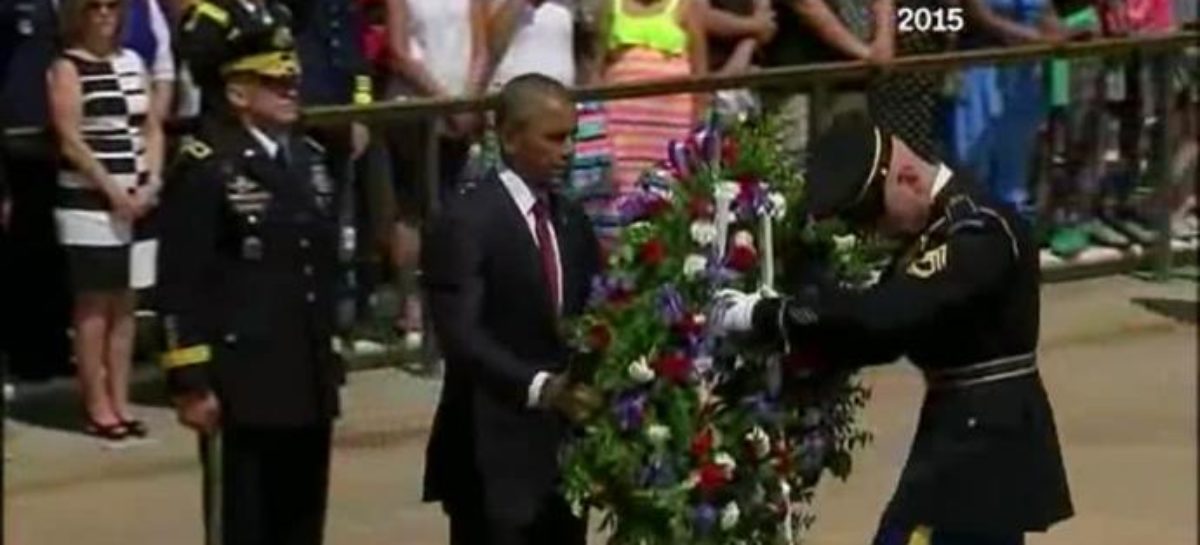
(1119, 360)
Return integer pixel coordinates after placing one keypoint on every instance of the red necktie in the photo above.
(541, 216)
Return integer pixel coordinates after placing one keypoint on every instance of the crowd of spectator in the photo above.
(106, 75)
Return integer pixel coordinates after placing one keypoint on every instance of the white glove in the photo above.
(733, 312)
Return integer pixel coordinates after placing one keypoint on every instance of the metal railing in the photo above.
(816, 79)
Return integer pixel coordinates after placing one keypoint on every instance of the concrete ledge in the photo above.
(1098, 262)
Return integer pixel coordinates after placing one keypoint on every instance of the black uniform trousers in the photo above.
(895, 535)
(554, 525)
(275, 485)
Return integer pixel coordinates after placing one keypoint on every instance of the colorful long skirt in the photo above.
(639, 129)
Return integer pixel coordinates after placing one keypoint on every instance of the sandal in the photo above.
(136, 428)
(108, 432)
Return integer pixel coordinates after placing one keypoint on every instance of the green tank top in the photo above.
(660, 31)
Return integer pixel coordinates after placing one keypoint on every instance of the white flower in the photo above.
(694, 265)
(726, 462)
(727, 191)
(730, 515)
(778, 204)
(785, 490)
(704, 232)
(703, 364)
(743, 238)
(640, 371)
(658, 434)
(844, 243)
(760, 441)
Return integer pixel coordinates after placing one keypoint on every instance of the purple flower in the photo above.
(751, 199)
(761, 407)
(701, 346)
(813, 449)
(704, 517)
(658, 475)
(630, 409)
(600, 290)
(671, 306)
(631, 207)
(720, 275)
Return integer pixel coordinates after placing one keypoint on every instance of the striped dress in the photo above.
(105, 253)
(641, 128)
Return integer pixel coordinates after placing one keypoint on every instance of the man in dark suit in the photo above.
(506, 261)
(249, 246)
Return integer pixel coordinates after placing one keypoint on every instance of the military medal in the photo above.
(252, 248)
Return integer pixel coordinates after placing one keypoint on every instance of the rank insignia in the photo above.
(246, 195)
(930, 263)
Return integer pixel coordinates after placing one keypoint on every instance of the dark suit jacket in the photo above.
(497, 328)
(246, 278)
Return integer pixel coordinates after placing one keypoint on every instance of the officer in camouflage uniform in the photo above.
(960, 302)
(247, 267)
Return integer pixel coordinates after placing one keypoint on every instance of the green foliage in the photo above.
(697, 428)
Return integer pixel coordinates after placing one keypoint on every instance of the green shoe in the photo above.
(1137, 232)
(1068, 242)
(1105, 235)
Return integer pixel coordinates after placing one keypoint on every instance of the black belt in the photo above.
(1005, 368)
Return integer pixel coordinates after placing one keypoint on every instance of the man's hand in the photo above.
(200, 412)
(577, 402)
(733, 312)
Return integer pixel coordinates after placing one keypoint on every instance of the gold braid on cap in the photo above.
(866, 185)
(270, 64)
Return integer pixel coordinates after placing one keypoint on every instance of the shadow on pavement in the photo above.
(59, 406)
(1181, 310)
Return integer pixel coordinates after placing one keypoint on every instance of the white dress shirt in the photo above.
(269, 145)
(523, 197)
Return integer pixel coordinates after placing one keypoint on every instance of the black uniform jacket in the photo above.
(248, 250)
(497, 328)
(985, 457)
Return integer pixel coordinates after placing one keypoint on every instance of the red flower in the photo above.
(657, 206)
(700, 207)
(688, 326)
(620, 296)
(729, 152)
(652, 253)
(673, 367)
(742, 258)
(599, 336)
(712, 478)
(783, 464)
(702, 444)
(783, 461)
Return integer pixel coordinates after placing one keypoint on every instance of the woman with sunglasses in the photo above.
(111, 143)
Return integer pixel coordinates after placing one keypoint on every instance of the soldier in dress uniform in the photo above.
(211, 27)
(960, 302)
(249, 250)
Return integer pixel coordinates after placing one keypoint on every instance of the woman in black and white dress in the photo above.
(111, 142)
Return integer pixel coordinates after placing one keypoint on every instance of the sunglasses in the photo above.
(103, 6)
